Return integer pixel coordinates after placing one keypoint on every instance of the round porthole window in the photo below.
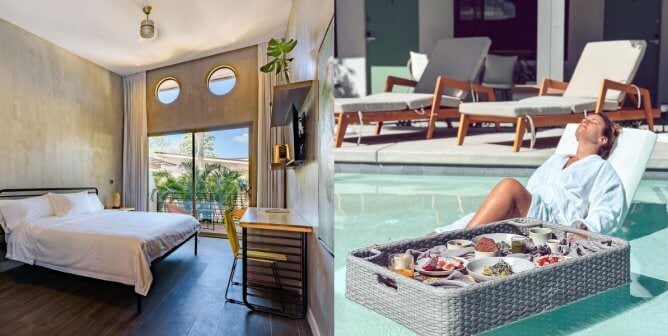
(222, 80)
(167, 91)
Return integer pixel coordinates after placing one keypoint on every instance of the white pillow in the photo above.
(70, 204)
(418, 64)
(17, 212)
(95, 202)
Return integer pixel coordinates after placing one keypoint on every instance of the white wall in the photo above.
(308, 23)
(351, 48)
(550, 46)
(436, 22)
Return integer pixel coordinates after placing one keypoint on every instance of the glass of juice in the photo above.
(402, 263)
(518, 244)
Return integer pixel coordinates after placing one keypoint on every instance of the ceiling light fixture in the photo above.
(147, 28)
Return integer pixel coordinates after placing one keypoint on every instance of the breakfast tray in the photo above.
(430, 310)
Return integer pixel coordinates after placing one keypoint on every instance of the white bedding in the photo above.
(107, 244)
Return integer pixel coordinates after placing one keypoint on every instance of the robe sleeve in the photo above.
(606, 203)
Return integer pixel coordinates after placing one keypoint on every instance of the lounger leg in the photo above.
(341, 130)
(449, 123)
(379, 126)
(519, 133)
(463, 129)
(432, 124)
(647, 104)
(496, 127)
(196, 243)
(138, 303)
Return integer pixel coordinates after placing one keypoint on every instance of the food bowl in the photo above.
(497, 237)
(479, 254)
(443, 272)
(517, 265)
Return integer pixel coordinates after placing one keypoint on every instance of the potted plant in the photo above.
(279, 63)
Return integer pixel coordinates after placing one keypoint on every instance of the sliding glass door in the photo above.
(199, 173)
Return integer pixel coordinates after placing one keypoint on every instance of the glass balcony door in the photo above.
(199, 173)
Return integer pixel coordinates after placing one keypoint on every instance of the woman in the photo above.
(581, 190)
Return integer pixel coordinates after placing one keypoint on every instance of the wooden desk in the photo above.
(257, 218)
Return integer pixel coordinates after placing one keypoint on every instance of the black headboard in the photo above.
(31, 192)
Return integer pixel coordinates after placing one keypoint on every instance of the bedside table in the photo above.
(123, 209)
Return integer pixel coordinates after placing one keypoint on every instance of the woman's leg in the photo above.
(508, 199)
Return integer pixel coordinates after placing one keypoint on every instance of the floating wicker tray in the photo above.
(429, 310)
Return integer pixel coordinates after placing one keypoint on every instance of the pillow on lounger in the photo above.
(17, 212)
(70, 204)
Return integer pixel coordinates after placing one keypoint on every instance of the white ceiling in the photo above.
(106, 32)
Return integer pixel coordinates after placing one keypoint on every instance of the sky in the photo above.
(232, 143)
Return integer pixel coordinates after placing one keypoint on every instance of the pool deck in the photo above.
(404, 150)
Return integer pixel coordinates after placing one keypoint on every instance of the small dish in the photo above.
(517, 265)
(442, 272)
(479, 254)
(458, 243)
(548, 260)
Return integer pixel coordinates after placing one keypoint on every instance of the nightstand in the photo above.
(124, 209)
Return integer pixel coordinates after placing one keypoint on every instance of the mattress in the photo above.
(109, 245)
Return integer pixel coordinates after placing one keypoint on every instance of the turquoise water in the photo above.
(372, 208)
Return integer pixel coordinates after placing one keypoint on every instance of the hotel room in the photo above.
(154, 180)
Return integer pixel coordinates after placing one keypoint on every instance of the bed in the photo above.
(110, 245)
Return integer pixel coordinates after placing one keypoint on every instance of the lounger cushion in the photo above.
(540, 105)
(366, 104)
(391, 101)
(629, 157)
(459, 58)
(613, 60)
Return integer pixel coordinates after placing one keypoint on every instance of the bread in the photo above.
(486, 245)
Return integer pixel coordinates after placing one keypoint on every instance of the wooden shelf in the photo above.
(286, 96)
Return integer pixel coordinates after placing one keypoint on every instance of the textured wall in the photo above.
(196, 108)
(62, 117)
(308, 22)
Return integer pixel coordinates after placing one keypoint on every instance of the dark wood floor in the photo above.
(187, 298)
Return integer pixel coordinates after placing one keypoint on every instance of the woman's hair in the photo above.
(611, 131)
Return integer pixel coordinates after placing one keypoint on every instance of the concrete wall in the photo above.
(663, 52)
(351, 48)
(585, 24)
(308, 23)
(436, 22)
(196, 108)
(62, 117)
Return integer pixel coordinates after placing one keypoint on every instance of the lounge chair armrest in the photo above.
(632, 91)
(552, 84)
(486, 90)
(392, 81)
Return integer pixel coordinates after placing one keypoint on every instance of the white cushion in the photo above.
(390, 101)
(418, 64)
(21, 211)
(629, 157)
(539, 105)
(366, 104)
(613, 60)
(95, 202)
(70, 204)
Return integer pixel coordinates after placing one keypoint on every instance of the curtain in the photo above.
(135, 142)
(270, 183)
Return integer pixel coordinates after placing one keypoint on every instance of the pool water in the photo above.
(375, 208)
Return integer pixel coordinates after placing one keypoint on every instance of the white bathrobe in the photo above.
(588, 192)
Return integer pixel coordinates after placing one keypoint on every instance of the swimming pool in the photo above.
(376, 208)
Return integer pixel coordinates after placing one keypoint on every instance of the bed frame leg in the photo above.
(138, 303)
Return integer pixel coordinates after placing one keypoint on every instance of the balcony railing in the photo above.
(209, 207)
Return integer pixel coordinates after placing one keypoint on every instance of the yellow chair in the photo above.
(259, 256)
